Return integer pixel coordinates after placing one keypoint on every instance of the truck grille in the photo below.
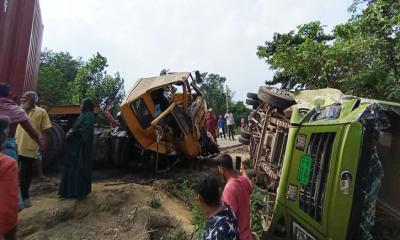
(312, 195)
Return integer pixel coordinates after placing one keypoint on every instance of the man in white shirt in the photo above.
(230, 121)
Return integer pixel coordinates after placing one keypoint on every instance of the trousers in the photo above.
(231, 132)
(26, 175)
(221, 132)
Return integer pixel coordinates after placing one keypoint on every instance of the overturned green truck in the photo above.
(329, 162)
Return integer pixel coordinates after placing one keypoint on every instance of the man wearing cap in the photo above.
(236, 192)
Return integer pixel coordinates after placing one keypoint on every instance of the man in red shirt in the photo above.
(237, 192)
(211, 123)
(8, 187)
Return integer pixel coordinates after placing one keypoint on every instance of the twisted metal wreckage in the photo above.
(328, 162)
(162, 121)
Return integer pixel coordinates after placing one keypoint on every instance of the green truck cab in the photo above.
(340, 166)
(340, 171)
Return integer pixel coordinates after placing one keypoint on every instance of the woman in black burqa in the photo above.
(76, 181)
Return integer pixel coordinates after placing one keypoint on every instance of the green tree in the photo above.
(213, 88)
(93, 81)
(299, 58)
(64, 79)
(57, 70)
(239, 110)
(359, 57)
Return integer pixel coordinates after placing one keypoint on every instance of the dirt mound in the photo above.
(119, 211)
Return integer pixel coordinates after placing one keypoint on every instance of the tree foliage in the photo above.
(213, 88)
(239, 110)
(57, 70)
(360, 57)
(215, 93)
(93, 81)
(66, 80)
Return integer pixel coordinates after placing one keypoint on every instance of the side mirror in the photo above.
(198, 77)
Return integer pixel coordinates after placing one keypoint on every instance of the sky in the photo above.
(142, 37)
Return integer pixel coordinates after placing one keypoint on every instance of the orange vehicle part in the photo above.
(67, 109)
(163, 119)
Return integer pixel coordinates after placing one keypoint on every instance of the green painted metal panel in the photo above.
(337, 205)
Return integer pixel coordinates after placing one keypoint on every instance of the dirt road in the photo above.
(112, 211)
(121, 206)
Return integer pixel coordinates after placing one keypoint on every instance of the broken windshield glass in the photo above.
(331, 112)
(143, 114)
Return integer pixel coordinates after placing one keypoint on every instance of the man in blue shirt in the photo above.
(221, 127)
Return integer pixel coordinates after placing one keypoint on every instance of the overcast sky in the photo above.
(141, 37)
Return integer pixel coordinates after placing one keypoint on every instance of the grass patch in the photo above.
(199, 223)
(155, 201)
(258, 205)
(181, 187)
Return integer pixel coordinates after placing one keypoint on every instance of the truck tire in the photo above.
(244, 140)
(245, 135)
(252, 96)
(55, 146)
(252, 102)
(278, 98)
(123, 150)
(101, 146)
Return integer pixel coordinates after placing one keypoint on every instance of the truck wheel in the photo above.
(252, 102)
(55, 146)
(102, 146)
(278, 98)
(244, 140)
(123, 150)
(252, 96)
(245, 135)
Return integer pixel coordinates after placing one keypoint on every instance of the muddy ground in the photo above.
(123, 205)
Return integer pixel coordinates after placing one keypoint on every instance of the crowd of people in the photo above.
(23, 138)
(217, 127)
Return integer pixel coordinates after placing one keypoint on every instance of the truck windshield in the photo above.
(183, 119)
(330, 112)
(142, 113)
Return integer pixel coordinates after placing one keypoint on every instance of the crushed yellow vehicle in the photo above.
(166, 115)
(162, 122)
